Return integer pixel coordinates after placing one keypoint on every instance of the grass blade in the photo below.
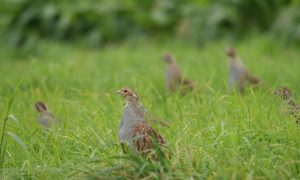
(2, 148)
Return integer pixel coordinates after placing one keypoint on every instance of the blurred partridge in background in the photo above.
(46, 119)
(173, 76)
(238, 75)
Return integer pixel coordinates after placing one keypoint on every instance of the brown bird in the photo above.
(46, 119)
(292, 106)
(133, 129)
(238, 75)
(173, 76)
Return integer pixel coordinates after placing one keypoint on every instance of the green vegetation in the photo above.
(98, 22)
(214, 133)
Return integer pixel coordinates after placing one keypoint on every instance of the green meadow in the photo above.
(213, 133)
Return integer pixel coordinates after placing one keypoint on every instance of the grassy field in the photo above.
(213, 133)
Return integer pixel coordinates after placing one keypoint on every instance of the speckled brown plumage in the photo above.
(143, 136)
(292, 106)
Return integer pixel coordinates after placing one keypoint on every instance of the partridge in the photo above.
(287, 96)
(173, 76)
(133, 129)
(238, 75)
(46, 119)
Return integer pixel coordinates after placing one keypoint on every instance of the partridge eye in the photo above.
(125, 91)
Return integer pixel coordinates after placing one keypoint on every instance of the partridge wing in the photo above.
(143, 136)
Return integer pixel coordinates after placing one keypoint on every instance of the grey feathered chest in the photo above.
(46, 119)
(173, 76)
(131, 116)
(237, 70)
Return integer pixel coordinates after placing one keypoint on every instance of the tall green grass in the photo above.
(213, 133)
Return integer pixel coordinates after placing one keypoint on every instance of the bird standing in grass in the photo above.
(46, 119)
(133, 129)
(292, 106)
(238, 75)
(173, 76)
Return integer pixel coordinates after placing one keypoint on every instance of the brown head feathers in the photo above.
(231, 52)
(128, 94)
(40, 106)
(168, 58)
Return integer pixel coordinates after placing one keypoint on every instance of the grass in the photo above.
(214, 133)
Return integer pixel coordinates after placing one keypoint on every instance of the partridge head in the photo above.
(168, 58)
(128, 94)
(231, 52)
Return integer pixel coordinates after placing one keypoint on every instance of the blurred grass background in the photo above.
(74, 55)
(98, 22)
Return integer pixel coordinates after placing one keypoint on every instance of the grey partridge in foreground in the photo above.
(133, 129)
(173, 76)
(46, 119)
(292, 106)
(238, 75)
